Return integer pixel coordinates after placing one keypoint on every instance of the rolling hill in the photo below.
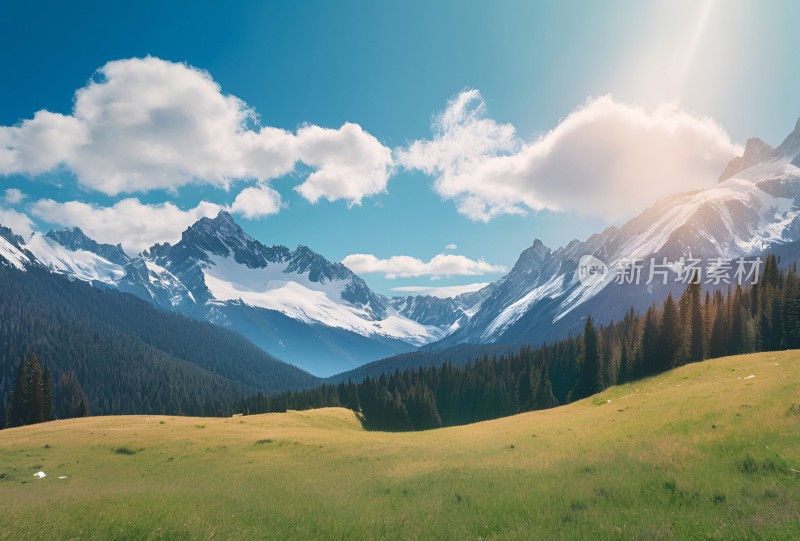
(709, 450)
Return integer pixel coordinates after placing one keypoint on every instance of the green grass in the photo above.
(698, 453)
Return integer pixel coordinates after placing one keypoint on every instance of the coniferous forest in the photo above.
(169, 364)
(699, 325)
(125, 355)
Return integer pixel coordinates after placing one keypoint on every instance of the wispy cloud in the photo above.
(441, 292)
(13, 196)
(606, 158)
(403, 266)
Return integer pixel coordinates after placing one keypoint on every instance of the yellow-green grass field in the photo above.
(708, 451)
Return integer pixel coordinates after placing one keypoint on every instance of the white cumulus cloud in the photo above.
(351, 164)
(606, 158)
(145, 123)
(18, 222)
(133, 224)
(13, 196)
(403, 266)
(451, 246)
(257, 201)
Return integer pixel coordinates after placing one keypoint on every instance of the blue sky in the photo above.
(391, 67)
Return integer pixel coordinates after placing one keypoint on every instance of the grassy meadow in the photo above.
(707, 451)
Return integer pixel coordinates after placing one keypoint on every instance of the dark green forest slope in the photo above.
(129, 356)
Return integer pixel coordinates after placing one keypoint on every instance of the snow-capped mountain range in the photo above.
(319, 315)
(293, 303)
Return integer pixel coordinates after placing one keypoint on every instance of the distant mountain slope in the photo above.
(76, 240)
(129, 356)
(13, 252)
(756, 208)
(456, 355)
(447, 314)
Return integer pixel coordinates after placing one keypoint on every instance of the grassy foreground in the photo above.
(708, 451)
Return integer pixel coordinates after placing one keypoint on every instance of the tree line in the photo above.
(129, 357)
(762, 317)
(129, 365)
(32, 399)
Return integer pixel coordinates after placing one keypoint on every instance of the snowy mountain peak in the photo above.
(538, 245)
(74, 239)
(220, 236)
(10, 236)
(222, 227)
(532, 258)
(304, 260)
(12, 250)
(756, 151)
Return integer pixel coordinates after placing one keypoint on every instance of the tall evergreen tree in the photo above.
(30, 397)
(542, 389)
(36, 413)
(624, 374)
(71, 401)
(669, 336)
(738, 342)
(19, 402)
(589, 381)
(524, 391)
(421, 407)
(647, 362)
(47, 394)
(697, 336)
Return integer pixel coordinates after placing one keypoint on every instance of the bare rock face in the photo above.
(756, 151)
(790, 148)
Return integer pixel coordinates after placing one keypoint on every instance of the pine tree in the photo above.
(697, 337)
(71, 401)
(47, 394)
(524, 391)
(36, 407)
(669, 336)
(589, 373)
(718, 346)
(542, 389)
(421, 406)
(624, 374)
(20, 399)
(739, 342)
(648, 348)
(771, 274)
(27, 404)
(775, 339)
